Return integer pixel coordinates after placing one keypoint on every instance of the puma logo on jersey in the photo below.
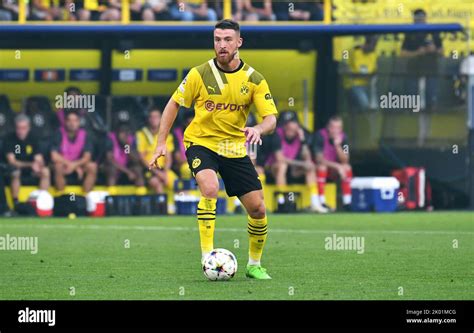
(211, 88)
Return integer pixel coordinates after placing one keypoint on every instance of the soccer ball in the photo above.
(219, 265)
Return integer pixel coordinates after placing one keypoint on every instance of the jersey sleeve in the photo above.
(188, 89)
(263, 100)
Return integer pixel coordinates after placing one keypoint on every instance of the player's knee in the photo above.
(281, 167)
(257, 211)
(209, 190)
(58, 167)
(347, 168)
(91, 167)
(153, 181)
(16, 174)
(44, 173)
(321, 167)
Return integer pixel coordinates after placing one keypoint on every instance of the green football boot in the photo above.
(257, 272)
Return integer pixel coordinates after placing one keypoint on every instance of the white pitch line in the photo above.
(276, 230)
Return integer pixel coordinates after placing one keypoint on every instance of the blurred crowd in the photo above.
(74, 147)
(163, 10)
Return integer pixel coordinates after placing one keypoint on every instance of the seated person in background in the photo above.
(192, 10)
(269, 151)
(100, 10)
(180, 164)
(122, 162)
(218, 6)
(150, 10)
(147, 137)
(23, 155)
(362, 65)
(9, 10)
(331, 153)
(252, 150)
(292, 161)
(290, 10)
(423, 51)
(61, 112)
(257, 10)
(71, 153)
(45, 10)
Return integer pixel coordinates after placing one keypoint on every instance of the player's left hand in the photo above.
(337, 140)
(252, 134)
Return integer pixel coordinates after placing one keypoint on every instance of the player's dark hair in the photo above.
(419, 12)
(227, 24)
(123, 127)
(72, 89)
(68, 112)
(335, 117)
(154, 108)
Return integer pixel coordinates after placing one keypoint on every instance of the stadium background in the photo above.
(309, 59)
(408, 255)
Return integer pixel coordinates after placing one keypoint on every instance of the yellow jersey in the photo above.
(222, 102)
(361, 62)
(146, 143)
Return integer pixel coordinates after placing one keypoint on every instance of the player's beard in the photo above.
(228, 57)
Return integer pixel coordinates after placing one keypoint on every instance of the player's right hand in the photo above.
(160, 151)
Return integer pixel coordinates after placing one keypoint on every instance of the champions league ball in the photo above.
(219, 265)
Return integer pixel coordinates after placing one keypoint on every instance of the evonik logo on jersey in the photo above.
(211, 106)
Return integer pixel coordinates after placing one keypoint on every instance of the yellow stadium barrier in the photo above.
(269, 191)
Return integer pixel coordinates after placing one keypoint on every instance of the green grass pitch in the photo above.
(407, 256)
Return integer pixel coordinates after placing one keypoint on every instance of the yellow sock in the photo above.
(206, 215)
(257, 230)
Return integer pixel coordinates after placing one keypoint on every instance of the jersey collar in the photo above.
(229, 72)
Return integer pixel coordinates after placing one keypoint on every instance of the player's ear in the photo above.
(240, 42)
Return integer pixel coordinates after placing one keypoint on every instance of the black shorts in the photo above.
(238, 174)
(27, 177)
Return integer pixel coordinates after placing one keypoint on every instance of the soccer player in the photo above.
(331, 152)
(157, 179)
(290, 161)
(222, 90)
(71, 153)
(23, 155)
(122, 159)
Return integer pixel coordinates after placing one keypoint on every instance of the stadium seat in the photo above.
(159, 101)
(101, 104)
(130, 110)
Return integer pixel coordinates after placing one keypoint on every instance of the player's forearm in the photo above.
(167, 120)
(57, 158)
(322, 161)
(341, 155)
(21, 165)
(294, 162)
(83, 161)
(268, 125)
